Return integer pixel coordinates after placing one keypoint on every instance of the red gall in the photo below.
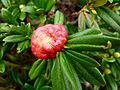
(48, 40)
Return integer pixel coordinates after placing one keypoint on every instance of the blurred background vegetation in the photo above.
(20, 70)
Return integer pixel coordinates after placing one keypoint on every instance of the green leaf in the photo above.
(40, 3)
(108, 19)
(98, 3)
(28, 29)
(16, 13)
(2, 52)
(14, 38)
(43, 18)
(108, 87)
(84, 47)
(112, 14)
(2, 36)
(39, 82)
(95, 40)
(90, 31)
(85, 71)
(71, 28)
(37, 68)
(118, 60)
(67, 83)
(82, 2)
(15, 30)
(4, 28)
(4, 49)
(50, 4)
(115, 68)
(59, 18)
(70, 73)
(109, 59)
(57, 76)
(21, 1)
(16, 77)
(111, 82)
(22, 46)
(7, 16)
(6, 3)
(91, 22)
(24, 29)
(90, 74)
(22, 16)
(111, 1)
(83, 59)
(81, 21)
(2, 66)
(37, 3)
(28, 87)
(34, 66)
(50, 65)
(29, 9)
(46, 88)
(109, 33)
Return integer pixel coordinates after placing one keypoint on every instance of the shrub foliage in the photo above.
(90, 59)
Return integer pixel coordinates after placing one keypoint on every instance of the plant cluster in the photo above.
(41, 49)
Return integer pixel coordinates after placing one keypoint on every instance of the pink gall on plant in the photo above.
(48, 40)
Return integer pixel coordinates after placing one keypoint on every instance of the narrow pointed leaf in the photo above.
(7, 16)
(50, 4)
(90, 74)
(98, 3)
(111, 81)
(2, 66)
(34, 66)
(28, 9)
(91, 22)
(37, 68)
(112, 14)
(28, 87)
(39, 82)
(16, 77)
(59, 18)
(90, 31)
(83, 59)
(81, 21)
(70, 73)
(85, 47)
(95, 40)
(39, 3)
(57, 76)
(108, 20)
(14, 38)
(22, 46)
(6, 3)
(46, 88)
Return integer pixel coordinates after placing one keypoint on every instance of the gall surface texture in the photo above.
(48, 40)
